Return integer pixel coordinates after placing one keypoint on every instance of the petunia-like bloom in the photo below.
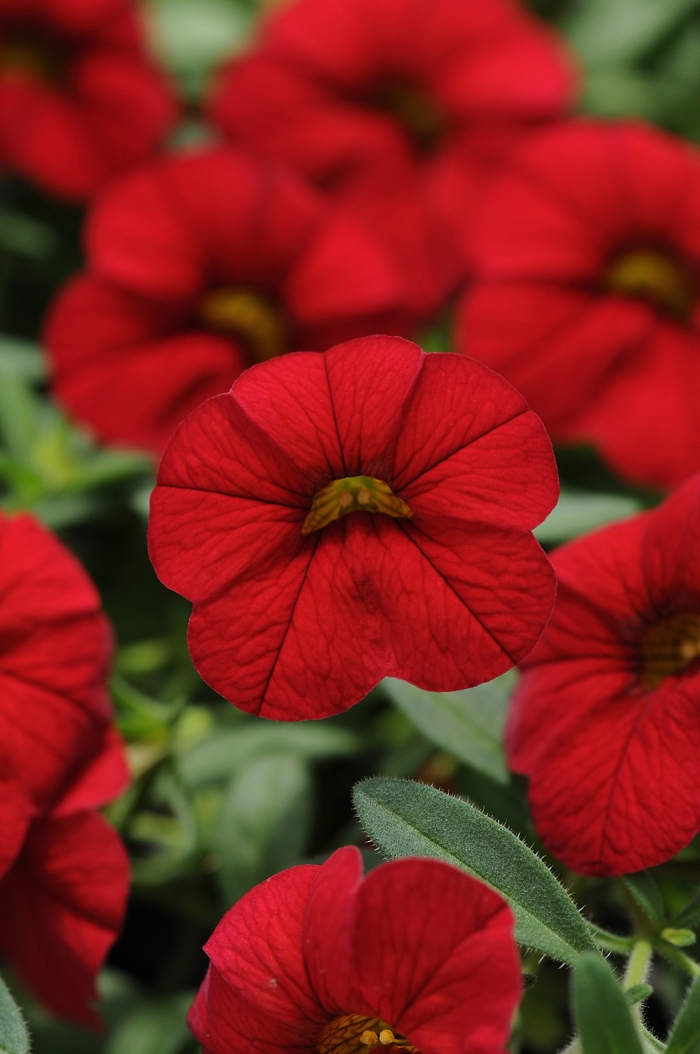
(587, 297)
(199, 265)
(55, 648)
(344, 516)
(416, 956)
(400, 109)
(79, 98)
(63, 871)
(62, 901)
(606, 718)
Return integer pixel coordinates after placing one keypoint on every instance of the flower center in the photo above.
(353, 494)
(656, 277)
(248, 315)
(415, 111)
(353, 1034)
(26, 51)
(668, 648)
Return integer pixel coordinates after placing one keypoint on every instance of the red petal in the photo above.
(99, 781)
(257, 950)
(338, 413)
(460, 449)
(434, 956)
(61, 909)
(56, 650)
(328, 928)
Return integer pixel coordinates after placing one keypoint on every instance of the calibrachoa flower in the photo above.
(55, 647)
(588, 259)
(62, 901)
(201, 264)
(398, 108)
(606, 718)
(416, 956)
(339, 517)
(79, 98)
(63, 871)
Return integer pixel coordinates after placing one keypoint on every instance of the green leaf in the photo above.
(680, 938)
(646, 893)
(264, 822)
(685, 1034)
(468, 724)
(623, 31)
(411, 819)
(221, 755)
(159, 1027)
(14, 1038)
(575, 514)
(22, 358)
(19, 413)
(637, 992)
(689, 916)
(603, 1019)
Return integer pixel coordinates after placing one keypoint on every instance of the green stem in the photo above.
(638, 963)
(611, 942)
(675, 955)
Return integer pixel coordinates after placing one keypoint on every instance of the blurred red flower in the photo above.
(300, 609)
(606, 718)
(415, 956)
(587, 297)
(79, 98)
(62, 901)
(199, 265)
(55, 648)
(63, 872)
(399, 108)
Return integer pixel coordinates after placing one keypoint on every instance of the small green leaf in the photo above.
(264, 822)
(637, 992)
(681, 938)
(574, 514)
(219, 756)
(646, 893)
(468, 724)
(410, 819)
(14, 1038)
(685, 1034)
(603, 1019)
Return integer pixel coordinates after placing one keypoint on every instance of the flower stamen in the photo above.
(668, 647)
(248, 315)
(353, 494)
(656, 277)
(353, 1034)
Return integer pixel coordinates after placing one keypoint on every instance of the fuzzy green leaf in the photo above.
(685, 1034)
(14, 1038)
(410, 819)
(602, 1016)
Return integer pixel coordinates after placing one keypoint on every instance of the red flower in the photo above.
(300, 609)
(416, 956)
(62, 901)
(200, 265)
(63, 872)
(587, 297)
(55, 647)
(399, 108)
(79, 99)
(606, 719)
